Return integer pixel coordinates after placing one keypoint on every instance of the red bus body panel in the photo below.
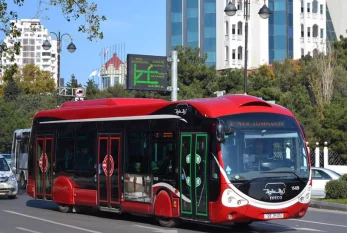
(165, 201)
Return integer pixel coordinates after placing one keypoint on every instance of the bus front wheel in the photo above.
(65, 208)
(168, 222)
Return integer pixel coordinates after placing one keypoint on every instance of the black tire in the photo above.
(12, 197)
(169, 222)
(65, 208)
(22, 181)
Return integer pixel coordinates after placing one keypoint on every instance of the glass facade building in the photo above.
(280, 30)
(331, 35)
(193, 23)
(176, 23)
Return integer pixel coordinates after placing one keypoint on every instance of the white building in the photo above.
(33, 34)
(113, 72)
(294, 29)
(338, 17)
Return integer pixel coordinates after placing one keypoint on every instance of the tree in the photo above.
(11, 89)
(91, 89)
(192, 70)
(73, 82)
(32, 80)
(71, 9)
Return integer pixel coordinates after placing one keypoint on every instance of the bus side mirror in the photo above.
(220, 131)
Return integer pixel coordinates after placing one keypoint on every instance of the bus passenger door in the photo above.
(109, 171)
(43, 167)
(193, 176)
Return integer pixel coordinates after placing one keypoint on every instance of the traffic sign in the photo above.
(79, 92)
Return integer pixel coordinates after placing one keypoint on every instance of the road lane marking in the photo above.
(321, 223)
(49, 221)
(28, 230)
(307, 229)
(289, 227)
(164, 230)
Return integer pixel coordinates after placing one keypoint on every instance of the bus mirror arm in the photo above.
(220, 131)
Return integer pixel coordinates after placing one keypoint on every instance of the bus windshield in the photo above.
(264, 144)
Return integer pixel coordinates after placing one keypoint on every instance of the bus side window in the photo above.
(163, 159)
(137, 153)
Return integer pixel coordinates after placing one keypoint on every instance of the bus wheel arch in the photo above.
(164, 215)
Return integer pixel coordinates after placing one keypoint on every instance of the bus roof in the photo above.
(123, 107)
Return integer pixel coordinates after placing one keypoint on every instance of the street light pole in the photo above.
(71, 48)
(246, 15)
(264, 13)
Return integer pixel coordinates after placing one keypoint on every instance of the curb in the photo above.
(327, 205)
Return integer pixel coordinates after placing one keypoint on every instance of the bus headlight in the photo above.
(306, 196)
(231, 199)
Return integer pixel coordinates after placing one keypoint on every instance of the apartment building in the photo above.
(33, 34)
(294, 29)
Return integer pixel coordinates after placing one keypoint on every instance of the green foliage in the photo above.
(343, 177)
(19, 113)
(32, 80)
(336, 189)
(73, 83)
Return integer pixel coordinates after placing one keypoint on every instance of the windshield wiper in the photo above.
(296, 175)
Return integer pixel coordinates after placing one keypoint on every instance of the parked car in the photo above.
(7, 157)
(8, 182)
(321, 176)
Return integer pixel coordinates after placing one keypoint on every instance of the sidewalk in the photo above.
(328, 205)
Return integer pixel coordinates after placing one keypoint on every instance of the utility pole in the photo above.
(174, 80)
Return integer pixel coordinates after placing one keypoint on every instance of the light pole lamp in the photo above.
(264, 13)
(71, 48)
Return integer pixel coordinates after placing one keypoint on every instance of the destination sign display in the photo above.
(146, 72)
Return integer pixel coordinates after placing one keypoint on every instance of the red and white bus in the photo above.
(234, 158)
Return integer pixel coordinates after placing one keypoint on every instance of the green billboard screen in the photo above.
(146, 72)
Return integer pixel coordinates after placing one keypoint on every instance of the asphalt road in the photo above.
(24, 215)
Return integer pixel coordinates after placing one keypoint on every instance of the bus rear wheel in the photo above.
(65, 208)
(168, 222)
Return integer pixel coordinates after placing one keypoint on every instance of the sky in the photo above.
(138, 26)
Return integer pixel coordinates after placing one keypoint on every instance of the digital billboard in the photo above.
(146, 72)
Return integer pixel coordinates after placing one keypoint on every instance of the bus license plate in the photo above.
(274, 215)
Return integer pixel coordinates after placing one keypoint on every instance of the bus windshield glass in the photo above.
(264, 144)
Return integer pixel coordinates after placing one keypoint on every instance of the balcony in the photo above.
(239, 62)
(309, 39)
(239, 37)
(315, 39)
(239, 13)
(314, 15)
(226, 63)
(234, 62)
(301, 15)
(233, 37)
(321, 16)
(226, 38)
(302, 40)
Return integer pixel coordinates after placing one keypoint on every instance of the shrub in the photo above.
(336, 189)
(344, 177)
